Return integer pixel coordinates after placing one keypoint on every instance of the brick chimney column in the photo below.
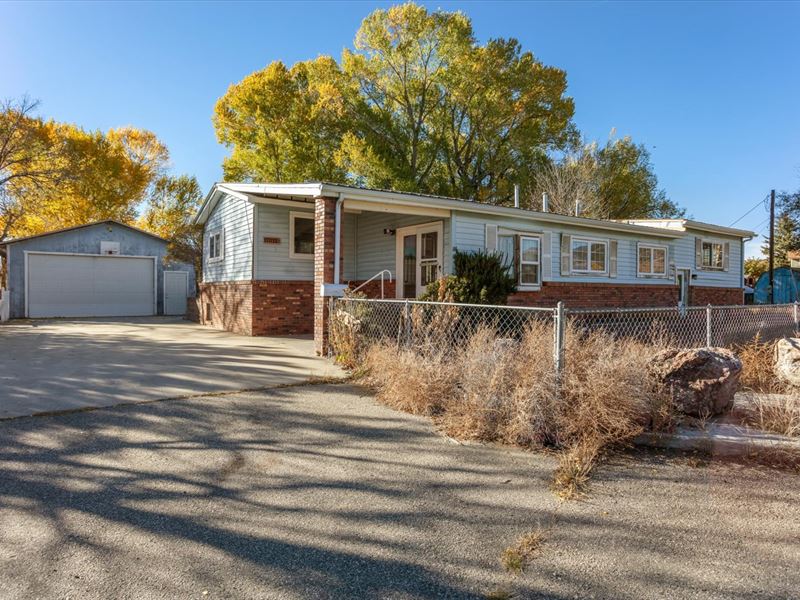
(324, 248)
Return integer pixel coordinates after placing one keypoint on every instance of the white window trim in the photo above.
(589, 241)
(292, 216)
(220, 246)
(652, 274)
(705, 267)
(538, 284)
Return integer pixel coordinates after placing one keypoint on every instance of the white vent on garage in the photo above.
(109, 247)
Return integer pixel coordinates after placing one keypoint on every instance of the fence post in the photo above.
(559, 323)
(708, 326)
(407, 319)
(794, 309)
(331, 309)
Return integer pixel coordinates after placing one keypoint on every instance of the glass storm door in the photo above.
(419, 258)
(409, 266)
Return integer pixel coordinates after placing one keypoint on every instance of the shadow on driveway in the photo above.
(308, 492)
(56, 365)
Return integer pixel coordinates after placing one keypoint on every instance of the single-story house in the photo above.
(103, 269)
(273, 253)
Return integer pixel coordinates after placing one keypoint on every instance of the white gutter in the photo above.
(337, 231)
(400, 199)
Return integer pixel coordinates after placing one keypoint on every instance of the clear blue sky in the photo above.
(712, 89)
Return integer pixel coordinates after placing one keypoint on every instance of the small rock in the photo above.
(787, 361)
(702, 381)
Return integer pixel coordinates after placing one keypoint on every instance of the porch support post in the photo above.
(324, 248)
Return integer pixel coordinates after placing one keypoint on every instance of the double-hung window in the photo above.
(215, 246)
(301, 235)
(523, 254)
(713, 253)
(652, 261)
(589, 256)
(529, 260)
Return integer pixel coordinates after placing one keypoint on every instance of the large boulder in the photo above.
(702, 381)
(787, 361)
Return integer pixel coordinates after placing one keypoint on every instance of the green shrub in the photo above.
(480, 278)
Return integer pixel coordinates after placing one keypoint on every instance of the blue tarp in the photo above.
(787, 282)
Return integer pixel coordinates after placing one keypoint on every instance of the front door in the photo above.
(683, 276)
(419, 258)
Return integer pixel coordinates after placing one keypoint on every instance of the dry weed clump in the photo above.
(758, 366)
(779, 414)
(608, 397)
(409, 381)
(575, 465)
(519, 555)
(506, 389)
(498, 389)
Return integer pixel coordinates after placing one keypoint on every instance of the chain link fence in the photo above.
(414, 323)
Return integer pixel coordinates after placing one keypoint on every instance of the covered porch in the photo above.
(385, 250)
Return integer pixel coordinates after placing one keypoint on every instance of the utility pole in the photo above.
(772, 247)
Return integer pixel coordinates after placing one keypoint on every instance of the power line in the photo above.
(759, 203)
(760, 227)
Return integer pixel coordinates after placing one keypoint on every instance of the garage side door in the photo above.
(61, 285)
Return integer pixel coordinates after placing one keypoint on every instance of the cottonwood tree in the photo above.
(416, 104)
(615, 181)
(31, 160)
(284, 124)
(109, 175)
(400, 67)
(169, 213)
(504, 112)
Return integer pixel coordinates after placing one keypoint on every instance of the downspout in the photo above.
(337, 243)
(741, 261)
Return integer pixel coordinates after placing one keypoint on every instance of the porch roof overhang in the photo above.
(366, 199)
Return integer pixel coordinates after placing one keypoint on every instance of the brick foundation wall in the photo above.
(700, 296)
(616, 295)
(227, 305)
(373, 288)
(258, 307)
(193, 310)
(283, 307)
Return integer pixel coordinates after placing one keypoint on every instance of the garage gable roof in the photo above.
(66, 229)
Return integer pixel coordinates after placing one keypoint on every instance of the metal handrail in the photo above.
(373, 278)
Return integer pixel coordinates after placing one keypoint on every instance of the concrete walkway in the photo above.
(57, 365)
(318, 492)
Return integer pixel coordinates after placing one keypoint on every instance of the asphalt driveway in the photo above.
(56, 365)
(318, 492)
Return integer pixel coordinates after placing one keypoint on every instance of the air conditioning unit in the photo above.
(111, 248)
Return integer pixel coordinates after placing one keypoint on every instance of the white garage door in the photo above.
(63, 285)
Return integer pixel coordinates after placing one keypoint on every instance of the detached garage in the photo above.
(105, 269)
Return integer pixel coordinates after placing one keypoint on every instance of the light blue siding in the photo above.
(273, 260)
(469, 234)
(733, 277)
(349, 246)
(234, 217)
(376, 250)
